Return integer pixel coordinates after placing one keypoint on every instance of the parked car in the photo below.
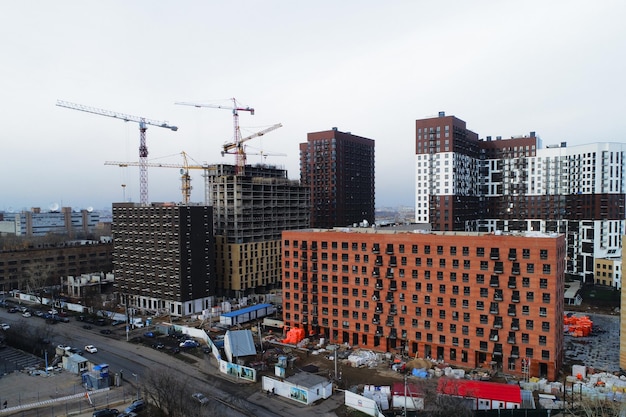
(87, 326)
(106, 412)
(12, 310)
(91, 349)
(158, 345)
(5, 326)
(101, 322)
(26, 314)
(149, 334)
(189, 344)
(116, 322)
(200, 397)
(131, 414)
(136, 406)
(38, 313)
(105, 331)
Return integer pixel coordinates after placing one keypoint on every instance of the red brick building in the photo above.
(469, 299)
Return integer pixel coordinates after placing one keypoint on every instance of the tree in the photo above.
(36, 276)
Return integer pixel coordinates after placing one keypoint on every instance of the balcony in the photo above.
(515, 353)
(512, 255)
(511, 340)
(498, 296)
(378, 261)
(494, 255)
(497, 324)
(376, 248)
(494, 282)
(511, 312)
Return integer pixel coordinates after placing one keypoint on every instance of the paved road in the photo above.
(203, 375)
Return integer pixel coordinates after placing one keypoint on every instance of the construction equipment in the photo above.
(143, 148)
(184, 172)
(236, 146)
(238, 149)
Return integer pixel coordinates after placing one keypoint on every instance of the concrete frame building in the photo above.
(251, 210)
(467, 298)
(164, 257)
(466, 183)
(338, 167)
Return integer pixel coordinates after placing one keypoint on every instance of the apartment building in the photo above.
(164, 257)
(250, 211)
(338, 167)
(467, 298)
(472, 184)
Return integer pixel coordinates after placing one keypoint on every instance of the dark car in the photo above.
(101, 322)
(105, 331)
(87, 326)
(106, 412)
(136, 406)
(12, 310)
(158, 345)
(149, 334)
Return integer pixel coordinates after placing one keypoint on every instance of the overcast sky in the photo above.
(368, 67)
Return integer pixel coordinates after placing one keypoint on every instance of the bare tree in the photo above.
(171, 392)
(595, 407)
(35, 276)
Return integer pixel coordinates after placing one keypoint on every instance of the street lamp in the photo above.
(137, 384)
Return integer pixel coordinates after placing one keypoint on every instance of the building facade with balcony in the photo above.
(472, 184)
(467, 298)
(164, 257)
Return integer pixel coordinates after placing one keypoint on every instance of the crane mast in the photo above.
(143, 148)
(240, 159)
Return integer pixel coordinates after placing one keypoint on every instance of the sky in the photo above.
(367, 67)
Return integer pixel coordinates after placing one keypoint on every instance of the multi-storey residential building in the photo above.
(251, 210)
(40, 223)
(466, 183)
(338, 167)
(608, 271)
(467, 298)
(58, 260)
(164, 257)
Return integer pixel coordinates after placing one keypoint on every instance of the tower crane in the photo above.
(184, 172)
(143, 148)
(238, 149)
(236, 108)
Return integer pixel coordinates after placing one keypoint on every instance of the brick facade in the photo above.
(469, 299)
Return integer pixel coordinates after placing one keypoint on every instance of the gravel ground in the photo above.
(600, 350)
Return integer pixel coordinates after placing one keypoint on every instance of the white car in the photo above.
(5, 326)
(91, 349)
(200, 397)
(26, 314)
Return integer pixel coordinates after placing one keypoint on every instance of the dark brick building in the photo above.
(339, 169)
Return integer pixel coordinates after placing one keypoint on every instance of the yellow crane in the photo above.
(236, 146)
(184, 172)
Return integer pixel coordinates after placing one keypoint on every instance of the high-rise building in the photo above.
(467, 298)
(164, 257)
(338, 167)
(471, 184)
(251, 210)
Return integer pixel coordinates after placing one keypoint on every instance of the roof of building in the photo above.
(480, 389)
(240, 342)
(307, 380)
(411, 390)
(246, 310)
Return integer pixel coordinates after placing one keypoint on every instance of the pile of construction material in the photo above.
(577, 326)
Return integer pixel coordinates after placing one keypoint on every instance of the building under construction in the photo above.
(251, 209)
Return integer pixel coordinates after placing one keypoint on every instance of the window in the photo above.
(480, 278)
(525, 310)
(525, 282)
(480, 252)
(465, 250)
(466, 264)
(545, 355)
(546, 268)
(480, 332)
(530, 296)
(525, 338)
(530, 325)
(545, 326)
(526, 253)
(543, 340)
(484, 292)
(530, 268)
(543, 283)
(465, 330)
(484, 265)
(466, 317)
(545, 297)
(543, 254)
(466, 290)
(543, 312)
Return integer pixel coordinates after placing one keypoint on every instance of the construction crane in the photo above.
(143, 148)
(238, 149)
(184, 172)
(239, 156)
